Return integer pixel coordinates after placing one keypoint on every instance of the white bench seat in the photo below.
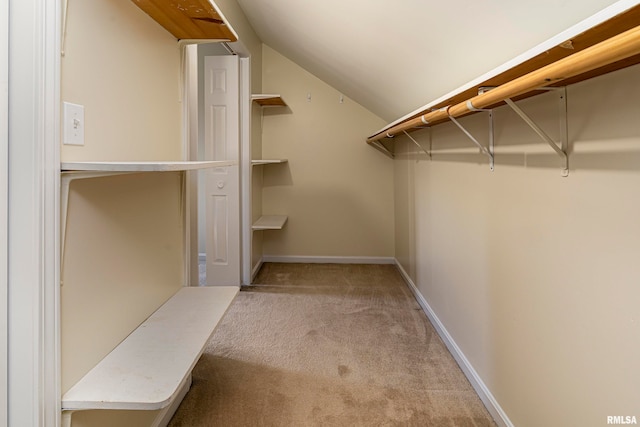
(147, 370)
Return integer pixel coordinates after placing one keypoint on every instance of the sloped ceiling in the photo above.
(393, 56)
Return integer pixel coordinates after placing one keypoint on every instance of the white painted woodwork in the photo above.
(146, 370)
(222, 142)
(268, 162)
(245, 169)
(4, 199)
(270, 222)
(33, 265)
(143, 166)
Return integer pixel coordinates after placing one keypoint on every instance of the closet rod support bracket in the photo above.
(427, 152)
(560, 150)
(487, 152)
(380, 147)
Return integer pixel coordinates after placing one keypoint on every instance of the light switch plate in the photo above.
(73, 121)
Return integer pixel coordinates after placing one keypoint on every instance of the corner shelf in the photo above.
(266, 100)
(270, 222)
(268, 162)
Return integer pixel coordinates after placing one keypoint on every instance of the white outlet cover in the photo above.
(73, 122)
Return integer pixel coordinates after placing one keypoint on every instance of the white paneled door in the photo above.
(222, 142)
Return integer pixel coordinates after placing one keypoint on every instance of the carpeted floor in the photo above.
(328, 345)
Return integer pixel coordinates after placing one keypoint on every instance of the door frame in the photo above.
(4, 199)
(33, 213)
(220, 192)
(191, 122)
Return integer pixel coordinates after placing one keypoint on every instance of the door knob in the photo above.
(220, 184)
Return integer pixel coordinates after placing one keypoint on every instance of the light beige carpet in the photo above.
(328, 345)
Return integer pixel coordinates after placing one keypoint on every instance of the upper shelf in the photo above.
(143, 166)
(605, 42)
(268, 100)
(267, 161)
(189, 19)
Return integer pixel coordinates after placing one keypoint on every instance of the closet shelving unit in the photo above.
(269, 222)
(151, 368)
(605, 42)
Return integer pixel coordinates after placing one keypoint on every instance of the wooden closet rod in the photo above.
(615, 49)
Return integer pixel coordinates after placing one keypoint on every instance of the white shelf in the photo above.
(143, 166)
(270, 222)
(268, 162)
(268, 100)
(146, 370)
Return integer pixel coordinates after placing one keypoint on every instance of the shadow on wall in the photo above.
(515, 144)
(623, 160)
(277, 175)
(276, 111)
(327, 220)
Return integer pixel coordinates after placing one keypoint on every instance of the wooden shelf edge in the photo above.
(270, 222)
(268, 100)
(190, 19)
(142, 166)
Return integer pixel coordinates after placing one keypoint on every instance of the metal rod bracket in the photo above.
(486, 151)
(380, 147)
(563, 148)
(427, 152)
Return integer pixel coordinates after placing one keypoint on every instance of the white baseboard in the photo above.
(256, 268)
(329, 259)
(485, 395)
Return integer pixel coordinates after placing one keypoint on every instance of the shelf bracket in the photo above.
(378, 146)
(427, 152)
(65, 182)
(562, 149)
(486, 151)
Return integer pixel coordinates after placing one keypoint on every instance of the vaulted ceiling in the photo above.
(395, 56)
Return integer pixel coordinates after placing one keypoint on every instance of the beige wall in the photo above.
(337, 192)
(125, 69)
(536, 276)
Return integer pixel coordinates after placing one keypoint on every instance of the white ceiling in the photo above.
(395, 56)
